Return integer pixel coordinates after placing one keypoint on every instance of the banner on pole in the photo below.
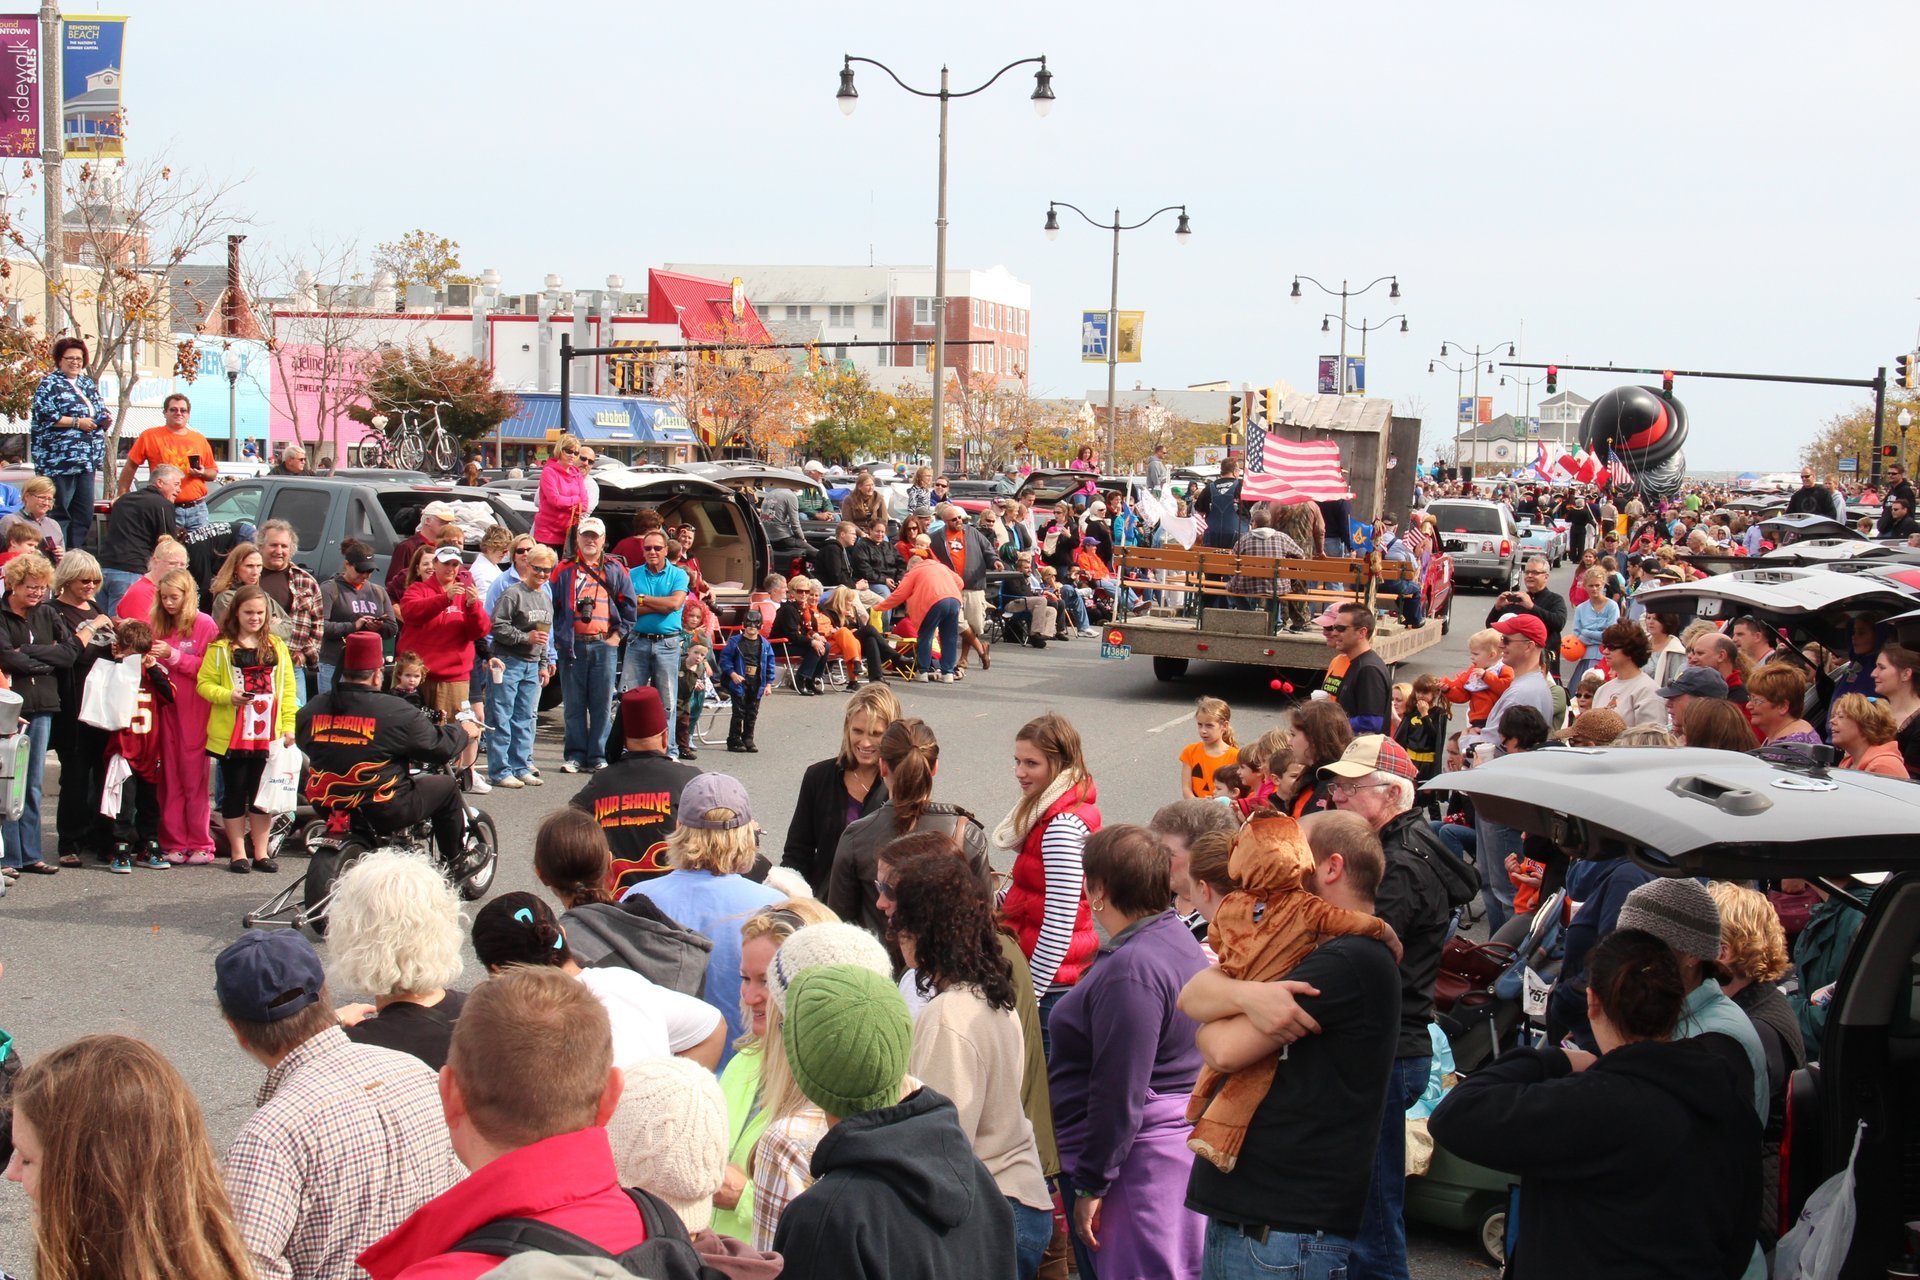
(1466, 410)
(1356, 375)
(1485, 412)
(19, 86)
(1093, 337)
(1132, 327)
(91, 68)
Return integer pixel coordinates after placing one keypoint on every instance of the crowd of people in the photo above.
(1185, 1043)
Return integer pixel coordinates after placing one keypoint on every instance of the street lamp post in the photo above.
(1343, 293)
(848, 98)
(1478, 354)
(1905, 420)
(230, 361)
(1182, 232)
(1526, 403)
(1327, 319)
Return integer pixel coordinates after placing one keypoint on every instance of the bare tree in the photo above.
(317, 340)
(127, 225)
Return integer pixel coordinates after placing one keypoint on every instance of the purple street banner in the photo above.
(91, 120)
(19, 86)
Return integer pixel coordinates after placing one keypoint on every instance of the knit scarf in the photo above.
(1009, 837)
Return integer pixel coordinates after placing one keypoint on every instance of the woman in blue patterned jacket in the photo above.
(69, 440)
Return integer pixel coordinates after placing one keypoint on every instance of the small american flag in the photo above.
(1287, 471)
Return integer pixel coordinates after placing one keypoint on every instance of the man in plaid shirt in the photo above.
(297, 592)
(348, 1139)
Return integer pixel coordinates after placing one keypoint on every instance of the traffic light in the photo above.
(1233, 415)
(1265, 402)
(1889, 450)
(1553, 378)
(1905, 372)
(1666, 383)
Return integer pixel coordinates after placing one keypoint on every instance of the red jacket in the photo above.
(1025, 906)
(568, 1181)
(440, 631)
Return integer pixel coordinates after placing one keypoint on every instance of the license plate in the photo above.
(1110, 650)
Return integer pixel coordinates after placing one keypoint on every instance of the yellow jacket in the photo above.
(219, 682)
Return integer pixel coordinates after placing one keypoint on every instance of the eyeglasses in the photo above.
(883, 888)
(180, 408)
(651, 547)
(538, 571)
(1335, 630)
(1348, 788)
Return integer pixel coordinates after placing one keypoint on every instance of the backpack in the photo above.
(1457, 876)
(666, 1254)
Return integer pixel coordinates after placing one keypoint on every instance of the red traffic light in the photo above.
(1553, 378)
(1889, 450)
(1666, 382)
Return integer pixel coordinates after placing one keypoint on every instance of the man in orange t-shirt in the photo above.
(180, 445)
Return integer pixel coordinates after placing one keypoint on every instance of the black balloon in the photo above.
(1645, 429)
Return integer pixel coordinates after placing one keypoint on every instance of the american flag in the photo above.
(1287, 471)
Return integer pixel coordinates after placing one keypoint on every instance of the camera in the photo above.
(583, 610)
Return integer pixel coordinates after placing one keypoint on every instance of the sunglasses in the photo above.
(883, 888)
(1337, 629)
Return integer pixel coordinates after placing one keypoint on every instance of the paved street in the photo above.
(87, 951)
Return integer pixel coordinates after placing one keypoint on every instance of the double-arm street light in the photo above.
(1477, 354)
(1526, 401)
(1182, 232)
(1343, 293)
(849, 97)
(1326, 326)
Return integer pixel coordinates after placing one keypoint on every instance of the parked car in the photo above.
(728, 539)
(1482, 538)
(326, 510)
(1779, 813)
(819, 513)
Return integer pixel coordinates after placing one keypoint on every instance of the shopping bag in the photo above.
(279, 789)
(1816, 1247)
(112, 693)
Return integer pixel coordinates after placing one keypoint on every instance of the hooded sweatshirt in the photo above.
(898, 1195)
(1656, 1134)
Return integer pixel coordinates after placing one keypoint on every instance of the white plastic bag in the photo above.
(279, 790)
(1816, 1247)
(112, 693)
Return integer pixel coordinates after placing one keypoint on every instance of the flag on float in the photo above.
(1617, 472)
(1287, 471)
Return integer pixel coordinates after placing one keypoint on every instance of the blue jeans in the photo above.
(586, 685)
(943, 618)
(655, 660)
(1032, 1231)
(511, 708)
(20, 838)
(113, 585)
(1380, 1250)
(73, 507)
(1409, 594)
(323, 678)
(1232, 1256)
(192, 515)
(1493, 843)
(1076, 603)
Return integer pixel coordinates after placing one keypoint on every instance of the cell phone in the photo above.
(193, 460)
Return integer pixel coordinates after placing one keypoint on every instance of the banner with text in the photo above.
(1356, 375)
(19, 86)
(91, 69)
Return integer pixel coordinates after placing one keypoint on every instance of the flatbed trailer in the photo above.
(1199, 620)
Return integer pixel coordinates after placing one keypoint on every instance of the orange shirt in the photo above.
(1201, 767)
(164, 445)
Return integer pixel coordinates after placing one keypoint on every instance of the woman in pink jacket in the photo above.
(181, 635)
(563, 496)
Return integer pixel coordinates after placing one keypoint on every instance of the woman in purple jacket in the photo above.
(1123, 1064)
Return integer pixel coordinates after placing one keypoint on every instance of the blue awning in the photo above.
(616, 420)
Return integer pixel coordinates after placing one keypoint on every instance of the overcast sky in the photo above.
(1703, 185)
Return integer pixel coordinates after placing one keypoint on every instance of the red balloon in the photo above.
(1276, 685)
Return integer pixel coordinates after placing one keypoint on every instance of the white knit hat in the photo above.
(669, 1135)
(823, 944)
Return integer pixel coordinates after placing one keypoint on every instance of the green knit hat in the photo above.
(847, 1035)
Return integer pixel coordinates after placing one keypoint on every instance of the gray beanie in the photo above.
(1681, 913)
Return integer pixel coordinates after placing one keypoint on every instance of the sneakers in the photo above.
(477, 784)
(598, 765)
(1088, 631)
(571, 766)
(153, 861)
(509, 782)
(528, 779)
(120, 861)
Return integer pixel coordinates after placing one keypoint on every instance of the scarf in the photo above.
(1008, 837)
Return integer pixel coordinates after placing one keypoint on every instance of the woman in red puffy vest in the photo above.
(1046, 905)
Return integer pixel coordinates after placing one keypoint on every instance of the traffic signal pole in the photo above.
(1877, 384)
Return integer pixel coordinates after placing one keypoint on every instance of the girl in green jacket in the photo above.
(247, 681)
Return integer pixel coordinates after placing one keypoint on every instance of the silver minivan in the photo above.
(1482, 538)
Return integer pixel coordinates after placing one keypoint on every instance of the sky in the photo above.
(1710, 186)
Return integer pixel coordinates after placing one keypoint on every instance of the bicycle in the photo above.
(406, 448)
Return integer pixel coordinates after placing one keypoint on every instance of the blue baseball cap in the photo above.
(267, 975)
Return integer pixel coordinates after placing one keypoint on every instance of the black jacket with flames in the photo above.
(359, 742)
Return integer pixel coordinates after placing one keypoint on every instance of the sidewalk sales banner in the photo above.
(19, 86)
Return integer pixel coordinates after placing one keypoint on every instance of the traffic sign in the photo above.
(1849, 464)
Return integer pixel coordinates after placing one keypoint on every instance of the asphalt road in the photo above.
(87, 951)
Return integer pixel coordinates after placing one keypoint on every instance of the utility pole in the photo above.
(50, 147)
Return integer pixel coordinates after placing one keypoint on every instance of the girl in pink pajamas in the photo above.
(181, 634)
